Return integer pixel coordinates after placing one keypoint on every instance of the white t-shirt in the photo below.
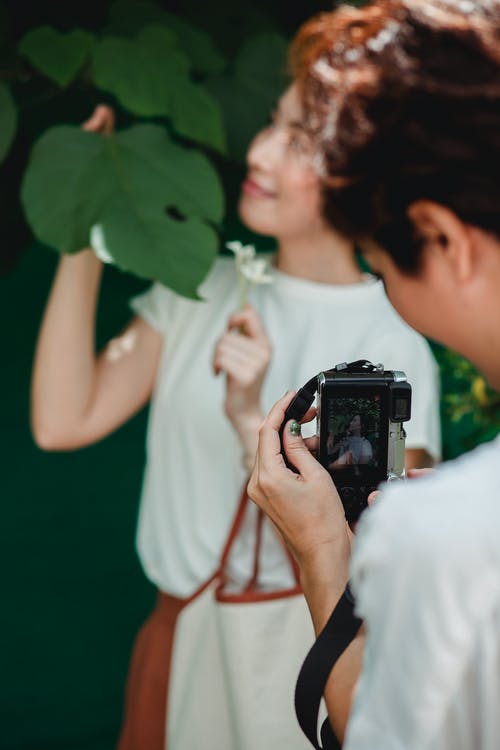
(194, 474)
(359, 447)
(426, 574)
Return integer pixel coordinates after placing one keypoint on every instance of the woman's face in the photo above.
(355, 425)
(281, 194)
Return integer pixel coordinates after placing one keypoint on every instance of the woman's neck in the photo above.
(325, 257)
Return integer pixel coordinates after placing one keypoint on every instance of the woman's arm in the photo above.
(244, 354)
(78, 397)
(307, 510)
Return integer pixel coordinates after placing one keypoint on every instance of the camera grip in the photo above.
(296, 410)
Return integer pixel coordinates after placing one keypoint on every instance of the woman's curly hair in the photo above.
(402, 99)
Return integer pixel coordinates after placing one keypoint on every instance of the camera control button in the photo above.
(393, 477)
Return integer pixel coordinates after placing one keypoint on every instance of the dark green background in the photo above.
(73, 592)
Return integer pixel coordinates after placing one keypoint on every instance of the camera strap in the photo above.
(339, 631)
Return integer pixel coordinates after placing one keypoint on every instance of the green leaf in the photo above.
(140, 73)
(195, 245)
(149, 77)
(57, 55)
(128, 16)
(198, 45)
(247, 95)
(197, 116)
(8, 120)
(126, 183)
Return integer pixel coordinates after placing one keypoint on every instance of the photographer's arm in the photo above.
(306, 509)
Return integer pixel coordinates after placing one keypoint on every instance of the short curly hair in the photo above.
(402, 101)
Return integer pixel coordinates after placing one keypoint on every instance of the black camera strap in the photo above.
(343, 624)
(337, 634)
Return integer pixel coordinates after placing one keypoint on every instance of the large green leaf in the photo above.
(153, 199)
(141, 73)
(128, 16)
(197, 116)
(248, 93)
(57, 55)
(8, 120)
(149, 75)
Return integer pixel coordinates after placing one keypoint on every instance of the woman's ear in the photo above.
(444, 236)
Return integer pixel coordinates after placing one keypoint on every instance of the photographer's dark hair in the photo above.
(402, 98)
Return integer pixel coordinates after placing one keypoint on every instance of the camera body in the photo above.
(360, 429)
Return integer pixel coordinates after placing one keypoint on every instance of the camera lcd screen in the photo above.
(353, 433)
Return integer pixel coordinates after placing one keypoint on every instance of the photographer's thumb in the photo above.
(296, 450)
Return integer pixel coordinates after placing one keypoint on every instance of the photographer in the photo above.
(402, 99)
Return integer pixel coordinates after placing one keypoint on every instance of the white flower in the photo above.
(255, 271)
(98, 244)
(242, 253)
(251, 270)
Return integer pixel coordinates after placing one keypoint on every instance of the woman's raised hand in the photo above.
(102, 120)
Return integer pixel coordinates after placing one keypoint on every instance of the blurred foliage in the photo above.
(156, 190)
(8, 120)
(470, 409)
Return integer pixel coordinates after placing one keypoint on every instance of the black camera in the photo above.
(361, 411)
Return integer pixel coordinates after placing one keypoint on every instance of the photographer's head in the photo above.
(402, 101)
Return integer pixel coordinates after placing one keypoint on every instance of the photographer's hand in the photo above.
(306, 509)
(244, 353)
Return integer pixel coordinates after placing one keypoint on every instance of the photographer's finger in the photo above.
(276, 414)
(297, 451)
(416, 473)
(269, 450)
(372, 497)
(312, 444)
(309, 415)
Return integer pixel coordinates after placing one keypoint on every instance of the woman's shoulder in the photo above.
(222, 275)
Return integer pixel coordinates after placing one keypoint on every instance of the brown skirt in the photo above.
(144, 722)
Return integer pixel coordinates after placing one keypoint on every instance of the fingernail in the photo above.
(294, 428)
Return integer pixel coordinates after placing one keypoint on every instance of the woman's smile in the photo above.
(255, 190)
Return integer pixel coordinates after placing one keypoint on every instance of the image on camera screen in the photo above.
(353, 432)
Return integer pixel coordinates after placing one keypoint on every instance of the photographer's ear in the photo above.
(446, 239)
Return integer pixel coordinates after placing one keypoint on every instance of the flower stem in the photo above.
(243, 290)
